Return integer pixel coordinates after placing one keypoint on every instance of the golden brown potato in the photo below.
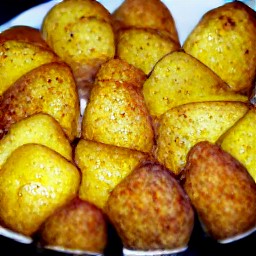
(143, 14)
(179, 78)
(180, 128)
(120, 71)
(150, 210)
(51, 89)
(103, 167)
(240, 141)
(24, 33)
(77, 225)
(81, 33)
(18, 57)
(39, 128)
(143, 47)
(221, 190)
(116, 114)
(34, 181)
(224, 40)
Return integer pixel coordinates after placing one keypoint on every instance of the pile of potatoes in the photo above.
(106, 119)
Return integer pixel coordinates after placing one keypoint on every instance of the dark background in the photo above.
(199, 245)
(10, 8)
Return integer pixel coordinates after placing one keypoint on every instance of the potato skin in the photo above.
(51, 89)
(34, 182)
(77, 225)
(221, 190)
(143, 14)
(150, 210)
(224, 40)
(116, 115)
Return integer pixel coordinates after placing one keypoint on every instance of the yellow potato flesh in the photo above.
(182, 127)
(103, 167)
(34, 182)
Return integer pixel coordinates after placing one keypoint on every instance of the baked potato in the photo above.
(34, 182)
(224, 40)
(178, 78)
(116, 114)
(49, 88)
(150, 210)
(222, 192)
(76, 226)
(19, 57)
(81, 33)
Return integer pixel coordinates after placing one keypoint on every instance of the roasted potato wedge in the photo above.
(179, 78)
(240, 141)
(103, 167)
(24, 33)
(180, 128)
(34, 181)
(150, 210)
(221, 190)
(39, 128)
(18, 57)
(51, 89)
(116, 114)
(77, 225)
(143, 47)
(224, 40)
(143, 14)
(81, 33)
